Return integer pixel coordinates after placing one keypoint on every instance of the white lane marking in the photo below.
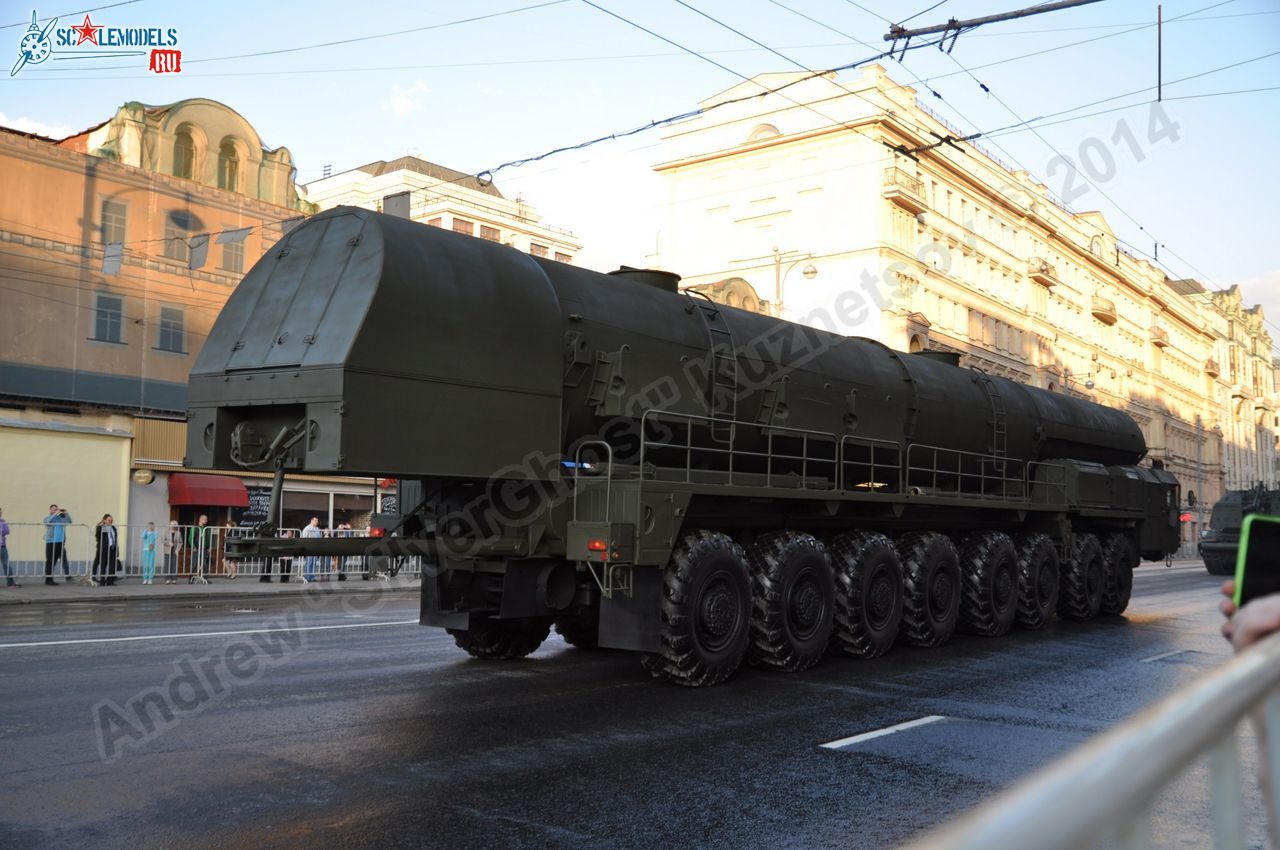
(888, 730)
(205, 634)
(1165, 655)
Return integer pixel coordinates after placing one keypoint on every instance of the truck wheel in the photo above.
(502, 638)
(1037, 580)
(580, 628)
(1119, 558)
(1217, 565)
(705, 612)
(1080, 597)
(989, 583)
(868, 578)
(794, 597)
(931, 588)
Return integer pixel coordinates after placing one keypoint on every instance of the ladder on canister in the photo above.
(723, 367)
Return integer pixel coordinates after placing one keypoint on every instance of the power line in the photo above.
(76, 12)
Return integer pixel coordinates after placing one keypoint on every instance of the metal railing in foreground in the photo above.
(1105, 791)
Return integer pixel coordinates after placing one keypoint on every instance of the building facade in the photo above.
(835, 206)
(439, 196)
(118, 247)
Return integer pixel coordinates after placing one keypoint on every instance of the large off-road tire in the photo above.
(514, 638)
(868, 576)
(793, 601)
(1038, 580)
(1083, 580)
(1119, 557)
(931, 588)
(705, 612)
(989, 583)
(1219, 565)
(580, 627)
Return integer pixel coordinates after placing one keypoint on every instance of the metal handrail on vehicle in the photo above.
(1106, 789)
(875, 483)
(608, 480)
(732, 454)
(983, 478)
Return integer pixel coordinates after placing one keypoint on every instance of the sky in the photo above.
(473, 86)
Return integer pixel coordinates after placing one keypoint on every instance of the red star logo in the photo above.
(88, 31)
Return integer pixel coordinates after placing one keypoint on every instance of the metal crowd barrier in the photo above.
(193, 557)
(1104, 793)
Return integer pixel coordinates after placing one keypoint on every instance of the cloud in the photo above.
(30, 125)
(404, 100)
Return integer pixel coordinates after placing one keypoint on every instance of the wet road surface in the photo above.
(338, 723)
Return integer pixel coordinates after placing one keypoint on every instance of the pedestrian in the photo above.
(312, 530)
(344, 530)
(286, 563)
(228, 565)
(200, 544)
(172, 546)
(106, 551)
(55, 542)
(149, 538)
(4, 552)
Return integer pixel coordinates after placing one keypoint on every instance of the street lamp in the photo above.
(1068, 377)
(810, 271)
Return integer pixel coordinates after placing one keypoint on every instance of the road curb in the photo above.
(207, 596)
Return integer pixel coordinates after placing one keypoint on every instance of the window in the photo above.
(563, 258)
(461, 225)
(113, 221)
(171, 336)
(537, 250)
(233, 255)
(108, 318)
(434, 222)
(493, 234)
(175, 241)
(184, 155)
(228, 166)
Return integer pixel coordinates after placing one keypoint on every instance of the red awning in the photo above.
(213, 491)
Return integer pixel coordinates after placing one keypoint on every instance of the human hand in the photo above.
(1252, 622)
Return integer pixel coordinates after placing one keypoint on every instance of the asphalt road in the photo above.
(366, 731)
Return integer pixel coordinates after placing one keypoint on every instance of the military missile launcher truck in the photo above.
(643, 469)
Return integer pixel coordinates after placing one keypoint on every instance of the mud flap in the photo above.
(633, 622)
(430, 613)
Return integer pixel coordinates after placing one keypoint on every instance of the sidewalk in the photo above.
(35, 591)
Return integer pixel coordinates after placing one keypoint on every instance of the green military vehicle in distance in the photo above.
(1221, 541)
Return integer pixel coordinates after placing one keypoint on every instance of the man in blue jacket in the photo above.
(55, 542)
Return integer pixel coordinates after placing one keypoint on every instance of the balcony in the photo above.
(1159, 336)
(1103, 309)
(1042, 272)
(1211, 368)
(904, 190)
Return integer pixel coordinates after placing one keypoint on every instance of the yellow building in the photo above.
(94, 358)
(830, 204)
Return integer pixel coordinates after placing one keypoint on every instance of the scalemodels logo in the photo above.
(89, 41)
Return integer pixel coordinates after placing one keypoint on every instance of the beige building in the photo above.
(809, 205)
(439, 196)
(94, 360)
